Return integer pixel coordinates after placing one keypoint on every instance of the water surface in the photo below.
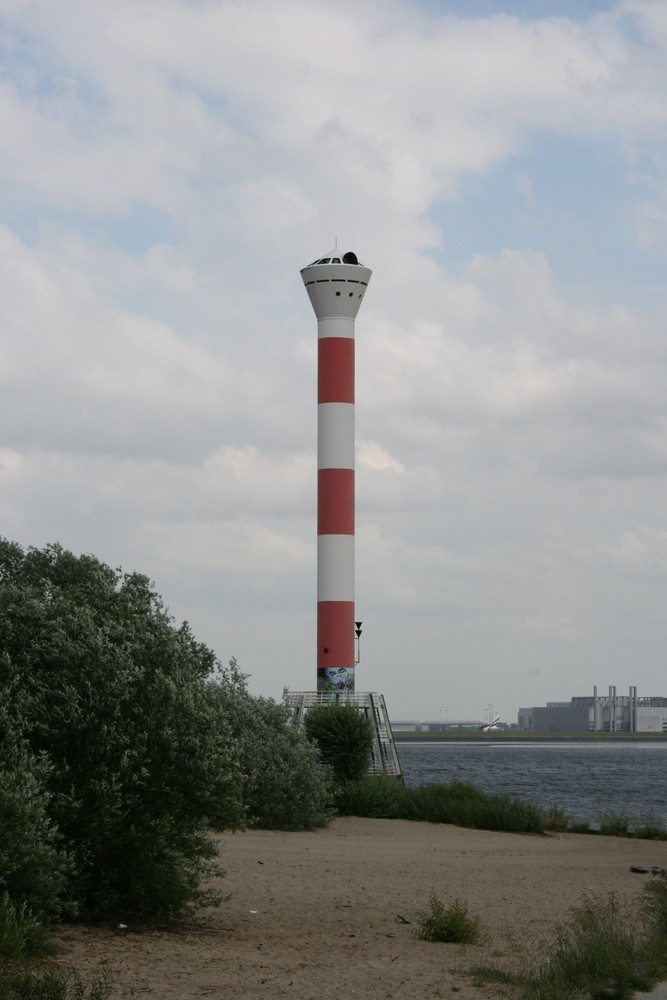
(585, 779)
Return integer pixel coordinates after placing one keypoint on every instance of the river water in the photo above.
(587, 780)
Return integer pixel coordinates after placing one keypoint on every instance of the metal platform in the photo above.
(384, 759)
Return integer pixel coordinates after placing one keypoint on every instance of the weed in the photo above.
(558, 820)
(55, 984)
(650, 828)
(452, 924)
(612, 825)
(465, 805)
(654, 899)
(579, 826)
(605, 949)
(602, 951)
(21, 934)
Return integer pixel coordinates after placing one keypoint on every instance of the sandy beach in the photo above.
(331, 914)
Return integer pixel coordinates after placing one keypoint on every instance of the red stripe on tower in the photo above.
(335, 502)
(336, 285)
(335, 370)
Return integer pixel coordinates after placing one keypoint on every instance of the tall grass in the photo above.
(54, 984)
(462, 804)
(654, 901)
(465, 805)
(600, 951)
(23, 943)
(606, 948)
(615, 825)
(457, 803)
(22, 936)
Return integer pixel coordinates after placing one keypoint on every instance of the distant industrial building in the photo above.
(598, 713)
(438, 726)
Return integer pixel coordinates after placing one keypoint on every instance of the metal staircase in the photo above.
(384, 759)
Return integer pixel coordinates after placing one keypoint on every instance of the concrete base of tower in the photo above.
(384, 759)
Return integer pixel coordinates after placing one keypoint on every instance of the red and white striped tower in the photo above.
(336, 285)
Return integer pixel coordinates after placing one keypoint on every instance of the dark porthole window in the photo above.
(337, 293)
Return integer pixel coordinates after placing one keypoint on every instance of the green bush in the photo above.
(115, 697)
(123, 742)
(33, 865)
(344, 735)
(451, 924)
(285, 784)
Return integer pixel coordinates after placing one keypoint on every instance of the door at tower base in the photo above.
(334, 679)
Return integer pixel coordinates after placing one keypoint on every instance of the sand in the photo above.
(331, 914)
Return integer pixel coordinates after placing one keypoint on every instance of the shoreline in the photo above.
(523, 736)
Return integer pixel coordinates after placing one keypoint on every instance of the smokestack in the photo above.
(336, 285)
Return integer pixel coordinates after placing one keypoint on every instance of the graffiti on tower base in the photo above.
(333, 679)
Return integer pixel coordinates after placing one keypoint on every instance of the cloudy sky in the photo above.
(168, 166)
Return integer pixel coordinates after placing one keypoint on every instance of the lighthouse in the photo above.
(336, 285)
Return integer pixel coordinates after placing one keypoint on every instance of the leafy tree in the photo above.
(344, 735)
(121, 732)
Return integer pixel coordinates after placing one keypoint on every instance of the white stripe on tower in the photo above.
(336, 285)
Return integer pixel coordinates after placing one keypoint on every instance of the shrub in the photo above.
(33, 865)
(285, 784)
(451, 924)
(114, 695)
(123, 742)
(344, 735)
